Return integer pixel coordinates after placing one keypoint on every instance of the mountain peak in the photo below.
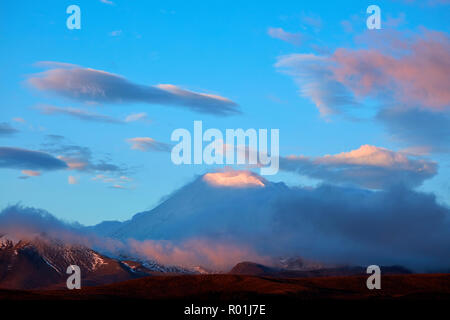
(234, 179)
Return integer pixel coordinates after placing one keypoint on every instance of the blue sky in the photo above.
(219, 48)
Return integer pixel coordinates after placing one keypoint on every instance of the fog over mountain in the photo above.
(224, 218)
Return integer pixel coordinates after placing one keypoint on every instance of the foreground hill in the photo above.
(226, 287)
(255, 269)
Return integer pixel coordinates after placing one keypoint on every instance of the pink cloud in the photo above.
(72, 180)
(279, 33)
(196, 252)
(396, 68)
(31, 173)
(368, 166)
(419, 76)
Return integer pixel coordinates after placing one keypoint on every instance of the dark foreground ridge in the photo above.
(227, 287)
(169, 297)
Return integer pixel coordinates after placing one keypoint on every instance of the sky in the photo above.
(86, 114)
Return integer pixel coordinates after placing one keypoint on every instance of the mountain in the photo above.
(233, 207)
(104, 228)
(42, 263)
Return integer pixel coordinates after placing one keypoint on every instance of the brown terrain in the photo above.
(229, 287)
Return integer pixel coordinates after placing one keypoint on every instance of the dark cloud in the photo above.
(55, 137)
(80, 158)
(90, 85)
(396, 226)
(30, 219)
(7, 129)
(418, 127)
(17, 158)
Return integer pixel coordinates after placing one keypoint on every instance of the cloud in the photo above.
(412, 71)
(418, 127)
(347, 26)
(312, 20)
(114, 182)
(80, 158)
(6, 129)
(396, 226)
(26, 223)
(77, 113)
(23, 159)
(72, 180)
(31, 173)
(148, 144)
(368, 167)
(90, 116)
(18, 119)
(405, 75)
(419, 76)
(393, 22)
(55, 137)
(118, 186)
(90, 85)
(279, 33)
(196, 252)
(115, 33)
(234, 179)
(136, 117)
(316, 80)
(431, 3)
(29, 220)
(55, 64)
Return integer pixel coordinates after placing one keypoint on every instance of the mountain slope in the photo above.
(42, 262)
(187, 212)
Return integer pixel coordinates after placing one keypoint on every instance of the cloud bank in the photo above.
(368, 166)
